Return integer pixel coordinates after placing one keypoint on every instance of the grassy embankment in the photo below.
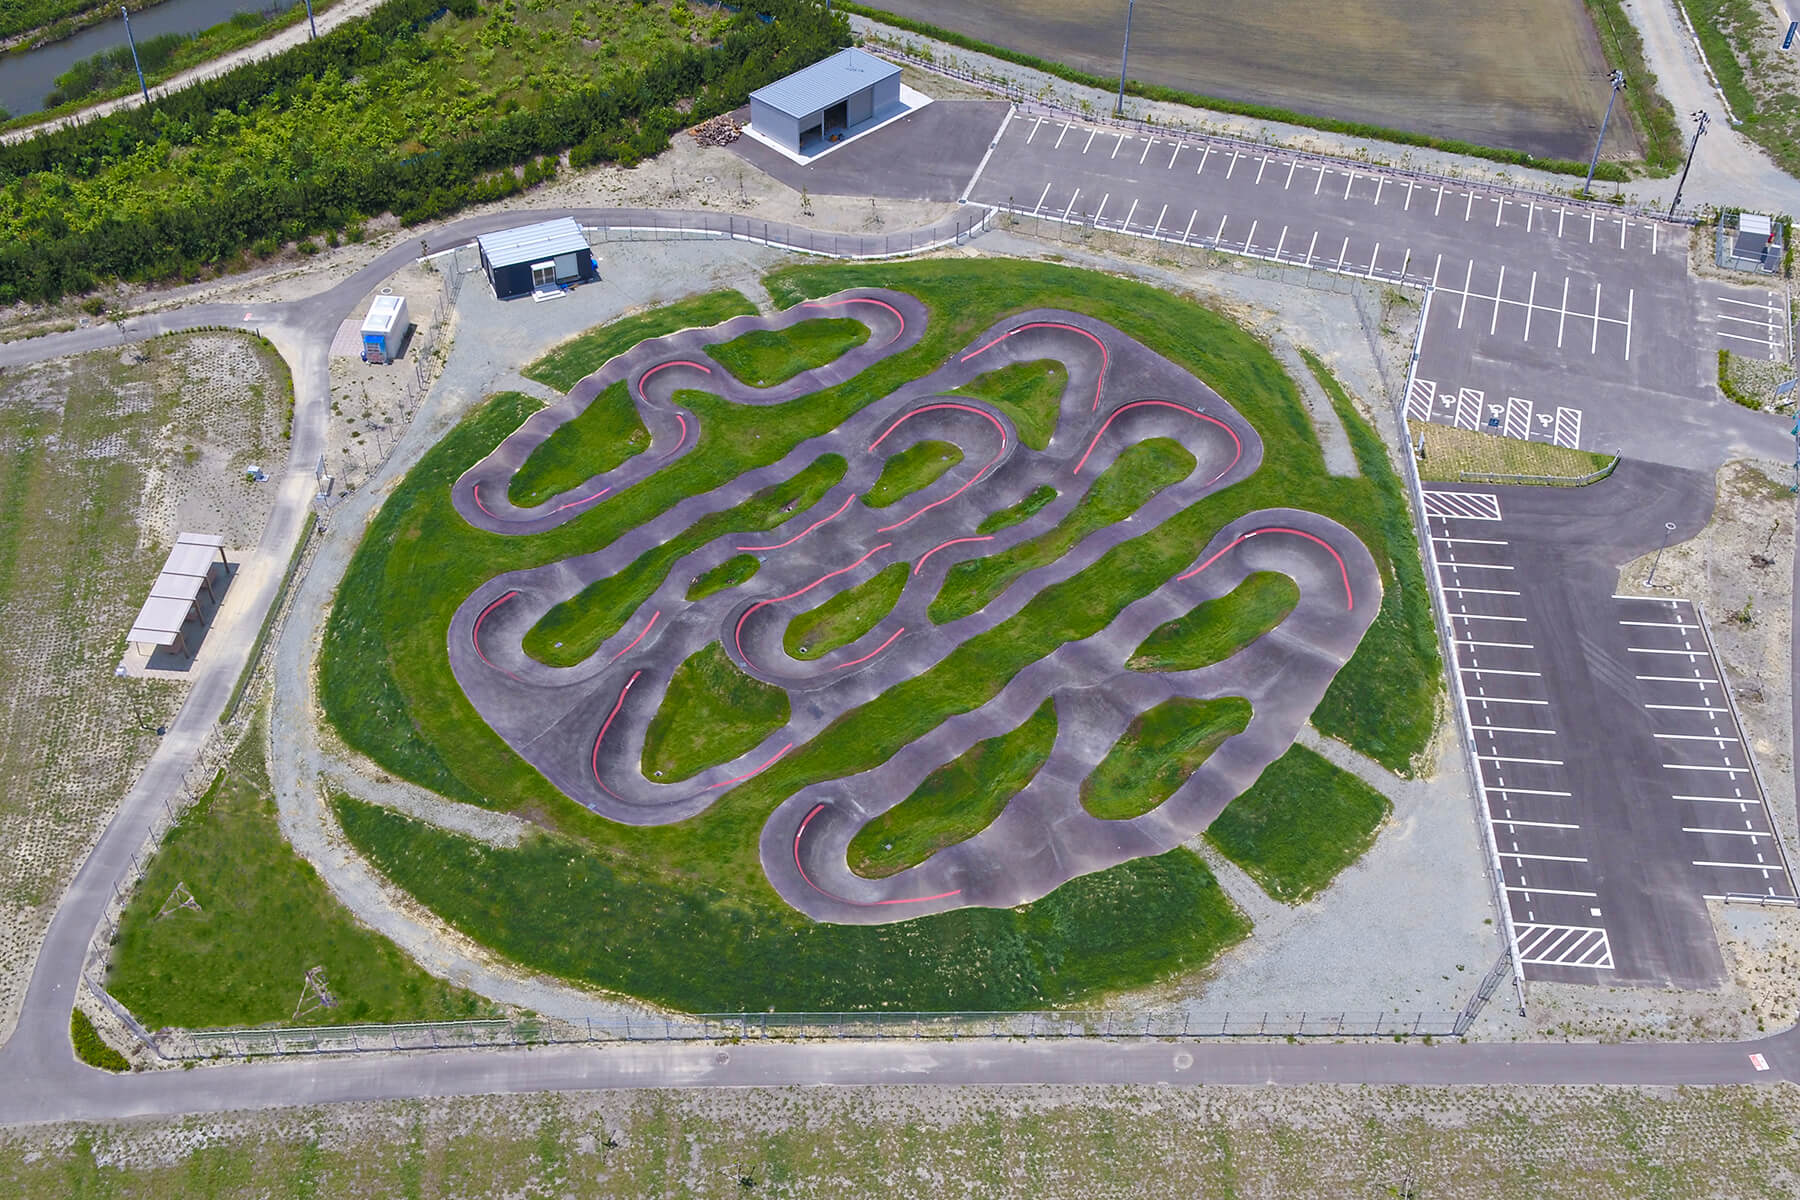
(1214, 630)
(1030, 393)
(917, 466)
(1758, 78)
(739, 569)
(581, 356)
(766, 357)
(1034, 502)
(847, 615)
(264, 919)
(1651, 113)
(682, 914)
(1157, 753)
(712, 713)
(1299, 824)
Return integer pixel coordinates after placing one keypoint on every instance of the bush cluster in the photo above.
(90, 1048)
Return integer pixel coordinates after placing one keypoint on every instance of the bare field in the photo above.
(1090, 1142)
(103, 459)
(1518, 74)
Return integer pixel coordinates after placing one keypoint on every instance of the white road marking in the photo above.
(1040, 203)
(1101, 209)
(1176, 151)
(1575, 858)
(1190, 225)
(1062, 135)
(1159, 220)
(1130, 213)
(1116, 146)
(1034, 129)
(1309, 247)
(1261, 166)
(1072, 200)
(1594, 348)
(1380, 182)
(1342, 253)
(1564, 319)
(1281, 242)
(1349, 179)
(1252, 237)
(1234, 161)
(1513, 729)
(1503, 758)
(1221, 233)
(1544, 891)
(1146, 153)
(1749, 833)
(1535, 824)
(1763, 867)
(1498, 288)
(1092, 134)
(1440, 201)
(1630, 303)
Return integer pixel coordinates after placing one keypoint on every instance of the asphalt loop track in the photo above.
(584, 726)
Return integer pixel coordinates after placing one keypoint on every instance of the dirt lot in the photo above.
(103, 459)
(1525, 74)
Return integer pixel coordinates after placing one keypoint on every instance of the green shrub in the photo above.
(90, 1048)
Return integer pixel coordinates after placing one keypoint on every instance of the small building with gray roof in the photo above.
(825, 100)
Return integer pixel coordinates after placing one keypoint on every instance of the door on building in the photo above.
(543, 275)
(837, 117)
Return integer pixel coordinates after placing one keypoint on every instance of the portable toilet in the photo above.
(384, 329)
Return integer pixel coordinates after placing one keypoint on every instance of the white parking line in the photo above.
(1132, 212)
(1320, 182)
(1342, 253)
(1189, 231)
(1380, 180)
(1092, 134)
(1498, 288)
(1496, 645)
(1040, 203)
(1252, 236)
(1498, 671)
(1655, 650)
(1221, 232)
(1349, 179)
(1734, 771)
(1146, 153)
(1261, 166)
(1309, 247)
(1575, 858)
(1740, 801)
(1513, 791)
(1282, 242)
(1544, 891)
(1513, 729)
(1159, 221)
(1234, 161)
(1466, 616)
(1176, 151)
(1749, 833)
(1763, 867)
(1072, 200)
(1290, 179)
(1101, 209)
(1506, 758)
(1470, 541)
(1062, 135)
(1674, 679)
(1205, 153)
(1034, 129)
(1116, 146)
(1513, 700)
(1705, 708)
(1535, 824)
(1719, 739)
(1471, 591)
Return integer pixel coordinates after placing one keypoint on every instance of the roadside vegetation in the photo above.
(582, 355)
(598, 439)
(1029, 393)
(738, 569)
(846, 616)
(1214, 630)
(386, 686)
(1299, 824)
(956, 801)
(1658, 128)
(1450, 452)
(918, 466)
(766, 357)
(415, 109)
(90, 1047)
(1157, 753)
(711, 713)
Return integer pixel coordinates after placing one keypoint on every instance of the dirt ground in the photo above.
(1088, 1142)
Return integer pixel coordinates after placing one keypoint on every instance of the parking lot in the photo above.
(1617, 787)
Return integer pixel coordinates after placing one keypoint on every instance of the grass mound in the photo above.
(733, 572)
(766, 357)
(956, 801)
(1215, 630)
(581, 356)
(917, 466)
(1158, 752)
(1024, 510)
(605, 434)
(847, 615)
(1028, 392)
(712, 713)
(1301, 822)
(90, 1047)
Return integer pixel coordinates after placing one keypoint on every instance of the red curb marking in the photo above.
(604, 726)
(975, 479)
(680, 442)
(807, 820)
(583, 500)
(1235, 440)
(634, 641)
(479, 504)
(1098, 384)
(871, 654)
(475, 634)
(754, 773)
(863, 300)
(737, 635)
(674, 362)
(807, 530)
(1349, 600)
(941, 545)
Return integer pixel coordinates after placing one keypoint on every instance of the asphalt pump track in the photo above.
(583, 726)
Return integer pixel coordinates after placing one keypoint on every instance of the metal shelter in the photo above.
(175, 594)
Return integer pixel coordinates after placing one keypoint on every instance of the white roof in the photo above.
(823, 84)
(1756, 223)
(531, 243)
(190, 560)
(200, 539)
(384, 313)
(176, 587)
(159, 622)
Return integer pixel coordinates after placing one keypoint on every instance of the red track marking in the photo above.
(583, 500)
(1349, 600)
(737, 634)
(807, 530)
(634, 641)
(941, 545)
(863, 300)
(1098, 384)
(601, 736)
(475, 633)
(975, 479)
(674, 362)
(680, 443)
(807, 820)
(754, 773)
(871, 654)
(1235, 440)
(479, 504)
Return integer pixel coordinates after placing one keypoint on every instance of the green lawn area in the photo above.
(1140, 472)
(265, 919)
(1301, 822)
(697, 887)
(1215, 630)
(606, 433)
(1028, 392)
(766, 357)
(846, 616)
(1024, 510)
(956, 801)
(736, 570)
(581, 356)
(712, 713)
(1158, 752)
(917, 466)
(574, 629)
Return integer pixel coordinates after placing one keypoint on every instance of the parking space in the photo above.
(1748, 321)
(1516, 417)
(1618, 792)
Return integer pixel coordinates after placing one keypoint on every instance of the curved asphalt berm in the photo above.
(584, 726)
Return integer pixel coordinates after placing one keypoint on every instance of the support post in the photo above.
(142, 87)
(1617, 79)
(1124, 59)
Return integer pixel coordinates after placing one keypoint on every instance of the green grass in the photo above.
(265, 919)
(1449, 452)
(1140, 472)
(1299, 824)
(386, 687)
(956, 801)
(1215, 630)
(1028, 392)
(581, 356)
(734, 571)
(712, 713)
(1384, 701)
(766, 357)
(602, 436)
(1651, 113)
(574, 629)
(90, 1047)
(847, 615)
(1024, 510)
(917, 466)
(1157, 753)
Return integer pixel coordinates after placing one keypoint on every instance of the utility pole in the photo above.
(1124, 59)
(1700, 121)
(315, 32)
(1617, 79)
(142, 87)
